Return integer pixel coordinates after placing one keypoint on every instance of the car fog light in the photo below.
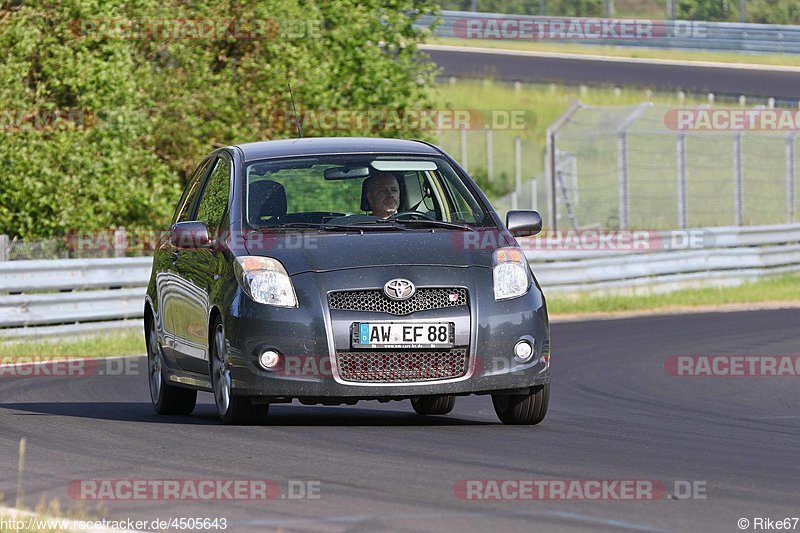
(269, 359)
(523, 351)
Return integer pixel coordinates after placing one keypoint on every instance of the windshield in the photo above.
(359, 191)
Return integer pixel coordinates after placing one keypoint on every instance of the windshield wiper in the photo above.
(436, 223)
(380, 223)
(325, 227)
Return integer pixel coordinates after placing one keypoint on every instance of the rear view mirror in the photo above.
(523, 223)
(346, 173)
(190, 235)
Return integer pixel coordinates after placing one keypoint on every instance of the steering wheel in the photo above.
(410, 215)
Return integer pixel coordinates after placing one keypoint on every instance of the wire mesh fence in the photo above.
(633, 167)
(80, 245)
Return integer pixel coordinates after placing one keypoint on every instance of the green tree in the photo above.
(135, 110)
(773, 11)
(709, 10)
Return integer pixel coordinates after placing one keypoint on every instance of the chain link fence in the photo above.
(80, 245)
(632, 167)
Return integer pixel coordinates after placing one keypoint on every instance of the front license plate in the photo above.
(403, 334)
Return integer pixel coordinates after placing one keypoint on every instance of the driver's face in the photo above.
(384, 195)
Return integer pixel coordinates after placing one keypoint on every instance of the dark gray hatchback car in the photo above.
(337, 270)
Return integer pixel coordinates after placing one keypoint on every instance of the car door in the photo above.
(197, 269)
(168, 286)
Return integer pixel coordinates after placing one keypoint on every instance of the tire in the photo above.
(167, 399)
(233, 410)
(527, 409)
(440, 404)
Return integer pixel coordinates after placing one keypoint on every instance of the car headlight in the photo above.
(265, 280)
(511, 278)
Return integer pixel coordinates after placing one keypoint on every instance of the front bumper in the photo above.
(309, 337)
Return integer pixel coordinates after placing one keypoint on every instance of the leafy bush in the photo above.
(565, 8)
(127, 119)
(773, 11)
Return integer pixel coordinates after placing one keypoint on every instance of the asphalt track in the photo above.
(615, 414)
(783, 85)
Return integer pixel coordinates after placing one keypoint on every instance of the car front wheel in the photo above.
(522, 408)
(235, 410)
(433, 405)
(167, 399)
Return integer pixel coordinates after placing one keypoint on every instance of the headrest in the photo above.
(266, 198)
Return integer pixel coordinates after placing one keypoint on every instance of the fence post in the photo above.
(682, 212)
(550, 164)
(464, 148)
(738, 179)
(622, 160)
(790, 175)
(550, 177)
(514, 200)
(120, 242)
(490, 154)
(534, 195)
(517, 164)
(4, 247)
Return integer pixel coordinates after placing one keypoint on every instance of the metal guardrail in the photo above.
(76, 296)
(721, 256)
(693, 35)
(71, 296)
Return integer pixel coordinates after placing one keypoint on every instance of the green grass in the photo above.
(790, 60)
(124, 342)
(773, 289)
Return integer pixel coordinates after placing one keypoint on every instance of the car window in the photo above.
(334, 189)
(214, 198)
(186, 204)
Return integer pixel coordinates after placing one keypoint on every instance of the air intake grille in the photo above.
(376, 300)
(402, 367)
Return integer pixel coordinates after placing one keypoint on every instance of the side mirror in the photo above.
(523, 223)
(190, 235)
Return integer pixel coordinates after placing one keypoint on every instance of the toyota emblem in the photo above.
(399, 289)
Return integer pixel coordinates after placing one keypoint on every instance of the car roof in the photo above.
(333, 145)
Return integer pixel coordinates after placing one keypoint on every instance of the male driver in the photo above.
(383, 194)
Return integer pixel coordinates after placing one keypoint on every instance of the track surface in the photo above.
(694, 79)
(614, 414)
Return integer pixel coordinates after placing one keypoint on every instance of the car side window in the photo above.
(187, 201)
(214, 198)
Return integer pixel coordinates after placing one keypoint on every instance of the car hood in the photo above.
(313, 251)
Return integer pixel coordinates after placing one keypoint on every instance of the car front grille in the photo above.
(375, 300)
(402, 367)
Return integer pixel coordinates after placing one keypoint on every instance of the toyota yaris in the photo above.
(330, 271)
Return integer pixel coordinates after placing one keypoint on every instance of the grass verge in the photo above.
(124, 342)
(784, 288)
(788, 60)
